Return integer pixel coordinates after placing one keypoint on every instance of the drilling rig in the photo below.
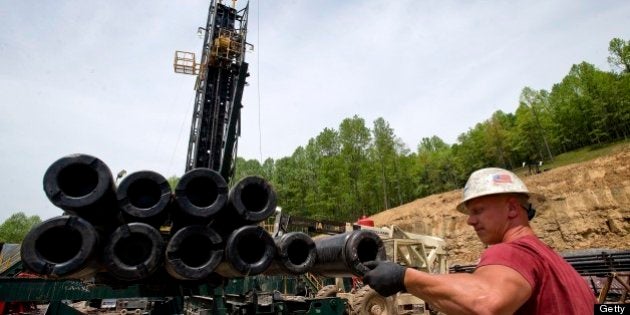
(221, 75)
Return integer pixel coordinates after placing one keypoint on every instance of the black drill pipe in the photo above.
(602, 263)
(251, 200)
(601, 268)
(134, 251)
(249, 251)
(604, 256)
(61, 247)
(200, 194)
(144, 196)
(621, 262)
(295, 254)
(82, 185)
(343, 255)
(193, 253)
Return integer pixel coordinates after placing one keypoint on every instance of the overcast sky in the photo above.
(97, 77)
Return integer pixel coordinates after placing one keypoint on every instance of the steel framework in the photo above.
(215, 126)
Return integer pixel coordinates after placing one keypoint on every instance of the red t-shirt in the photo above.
(556, 287)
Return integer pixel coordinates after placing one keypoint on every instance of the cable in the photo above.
(179, 135)
(258, 80)
(170, 111)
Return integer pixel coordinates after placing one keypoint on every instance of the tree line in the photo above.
(357, 169)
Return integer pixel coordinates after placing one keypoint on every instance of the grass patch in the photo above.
(587, 153)
(580, 155)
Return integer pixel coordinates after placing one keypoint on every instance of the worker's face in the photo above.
(488, 215)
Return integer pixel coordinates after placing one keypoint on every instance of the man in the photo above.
(517, 273)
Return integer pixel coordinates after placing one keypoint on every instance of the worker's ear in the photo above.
(513, 207)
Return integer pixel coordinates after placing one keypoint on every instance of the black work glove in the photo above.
(385, 277)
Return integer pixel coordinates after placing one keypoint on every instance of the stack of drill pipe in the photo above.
(226, 227)
(135, 250)
(593, 264)
(70, 245)
(102, 229)
(115, 231)
(600, 264)
(195, 250)
(344, 255)
(249, 249)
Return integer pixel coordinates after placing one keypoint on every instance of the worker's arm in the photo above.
(492, 289)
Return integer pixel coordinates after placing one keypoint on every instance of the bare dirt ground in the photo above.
(583, 206)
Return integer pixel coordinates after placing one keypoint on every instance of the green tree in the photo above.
(588, 107)
(330, 177)
(620, 100)
(355, 139)
(297, 181)
(408, 173)
(535, 102)
(569, 118)
(498, 134)
(16, 226)
(527, 140)
(288, 187)
(470, 152)
(246, 168)
(384, 151)
(436, 163)
(619, 54)
(173, 181)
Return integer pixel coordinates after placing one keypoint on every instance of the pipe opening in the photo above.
(195, 250)
(77, 180)
(134, 249)
(298, 252)
(47, 245)
(144, 193)
(254, 197)
(251, 248)
(367, 250)
(202, 192)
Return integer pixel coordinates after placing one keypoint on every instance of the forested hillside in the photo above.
(358, 168)
(580, 206)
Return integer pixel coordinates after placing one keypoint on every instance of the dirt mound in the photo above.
(585, 205)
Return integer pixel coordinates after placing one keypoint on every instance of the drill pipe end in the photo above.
(41, 251)
(134, 251)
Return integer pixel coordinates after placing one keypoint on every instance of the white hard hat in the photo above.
(491, 181)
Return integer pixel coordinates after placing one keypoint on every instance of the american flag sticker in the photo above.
(501, 179)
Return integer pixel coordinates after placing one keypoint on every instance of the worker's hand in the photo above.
(385, 277)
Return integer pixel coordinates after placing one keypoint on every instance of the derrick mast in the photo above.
(221, 75)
